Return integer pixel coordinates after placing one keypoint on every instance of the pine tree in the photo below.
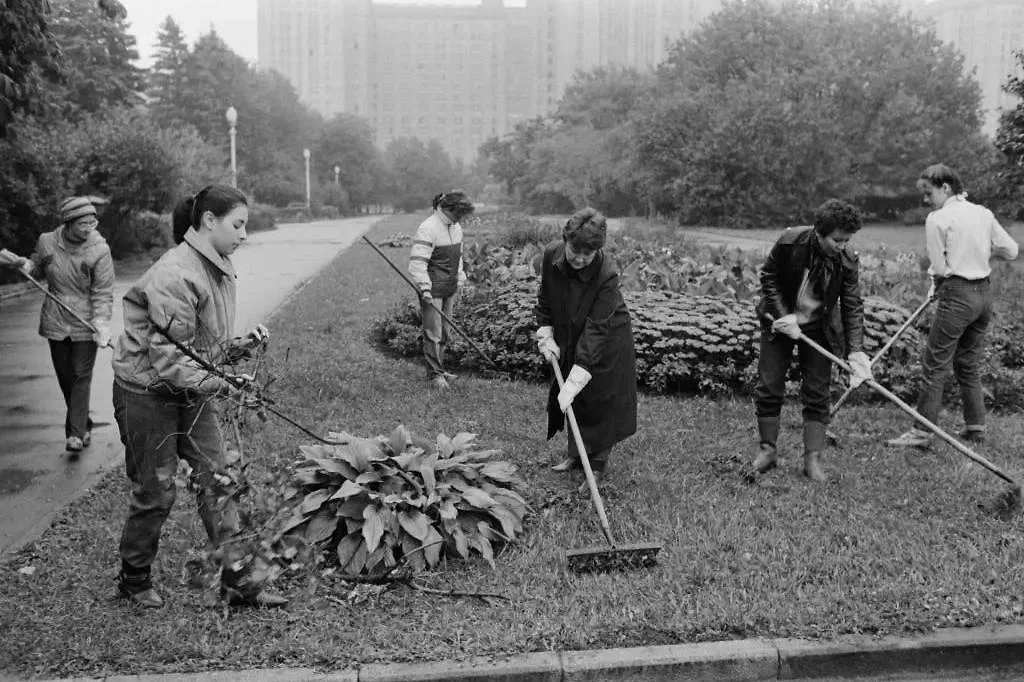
(167, 75)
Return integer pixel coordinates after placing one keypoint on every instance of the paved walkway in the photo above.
(36, 476)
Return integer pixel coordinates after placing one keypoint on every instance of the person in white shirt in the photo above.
(961, 237)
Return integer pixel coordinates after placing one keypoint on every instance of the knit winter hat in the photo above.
(75, 208)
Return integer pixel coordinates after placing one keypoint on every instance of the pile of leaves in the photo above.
(376, 504)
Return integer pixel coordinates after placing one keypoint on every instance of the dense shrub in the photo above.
(685, 343)
(261, 217)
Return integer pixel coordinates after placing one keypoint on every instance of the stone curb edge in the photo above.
(849, 656)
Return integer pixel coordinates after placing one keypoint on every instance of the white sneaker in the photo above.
(73, 444)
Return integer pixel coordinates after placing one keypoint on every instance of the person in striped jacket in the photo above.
(435, 264)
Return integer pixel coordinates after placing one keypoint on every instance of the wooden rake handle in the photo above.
(582, 450)
(963, 449)
(878, 356)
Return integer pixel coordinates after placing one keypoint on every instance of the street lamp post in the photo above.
(305, 153)
(337, 175)
(232, 116)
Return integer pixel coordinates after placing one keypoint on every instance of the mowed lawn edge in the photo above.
(894, 544)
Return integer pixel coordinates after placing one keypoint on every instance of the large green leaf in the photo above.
(358, 562)
(335, 466)
(314, 501)
(447, 510)
(505, 472)
(352, 508)
(414, 523)
(461, 544)
(368, 477)
(482, 545)
(478, 498)
(429, 482)
(399, 439)
(433, 544)
(321, 526)
(509, 523)
(374, 525)
(412, 552)
(348, 489)
(444, 445)
(462, 440)
(347, 547)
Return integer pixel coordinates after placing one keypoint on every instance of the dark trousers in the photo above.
(73, 362)
(435, 332)
(157, 431)
(957, 341)
(598, 460)
(773, 365)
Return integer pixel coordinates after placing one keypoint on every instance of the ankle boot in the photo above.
(138, 589)
(815, 440)
(768, 435)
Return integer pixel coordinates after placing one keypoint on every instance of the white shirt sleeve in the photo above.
(1003, 245)
(935, 240)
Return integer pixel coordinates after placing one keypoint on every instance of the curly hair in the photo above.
(586, 229)
(836, 215)
(456, 203)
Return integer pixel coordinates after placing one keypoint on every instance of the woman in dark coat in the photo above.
(584, 324)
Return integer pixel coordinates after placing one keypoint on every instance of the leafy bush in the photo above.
(261, 217)
(685, 343)
(376, 503)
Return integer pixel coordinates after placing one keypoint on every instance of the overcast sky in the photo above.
(234, 21)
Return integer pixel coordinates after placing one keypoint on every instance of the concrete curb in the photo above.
(852, 656)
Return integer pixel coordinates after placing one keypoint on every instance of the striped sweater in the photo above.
(435, 262)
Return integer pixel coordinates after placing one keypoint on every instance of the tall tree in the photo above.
(1010, 140)
(167, 75)
(768, 109)
(28, 52)
(97, 50)
(346, 141)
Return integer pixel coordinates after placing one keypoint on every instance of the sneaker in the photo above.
(73, 444)
(911, 439)
(440, 383)
(139, 591)
(566, 464)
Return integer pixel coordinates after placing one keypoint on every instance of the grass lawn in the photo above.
(893, 544)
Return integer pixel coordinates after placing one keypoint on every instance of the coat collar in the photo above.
(222, 263)
(586, 274)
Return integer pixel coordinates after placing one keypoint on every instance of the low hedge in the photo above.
(684, 343)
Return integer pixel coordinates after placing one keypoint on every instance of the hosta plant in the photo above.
(377, 502)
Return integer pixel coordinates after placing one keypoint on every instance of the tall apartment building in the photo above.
(458, 74)
(987, 32)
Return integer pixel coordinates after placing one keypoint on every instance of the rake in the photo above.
(878, 356)
(614, 556)
(1008, 503)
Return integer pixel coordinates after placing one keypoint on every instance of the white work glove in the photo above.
(788, 325)
(861, 366)
(10, 259)
(931, 291)
(102, 334)
(546, 344)
(427, 296)
(259, 334)
(578, 378)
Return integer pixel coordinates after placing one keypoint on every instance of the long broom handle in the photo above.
(582, 450)
(419, 295)
(878, 356)
(915, 414)
(61, 303)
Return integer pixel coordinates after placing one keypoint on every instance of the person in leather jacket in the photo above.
(810, 286)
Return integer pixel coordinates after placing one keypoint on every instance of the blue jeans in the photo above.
(435, 332)
(957, 341)
(156, 431)
(773, 366)
(73, 362)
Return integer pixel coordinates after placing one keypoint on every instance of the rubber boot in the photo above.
(815, 440)
(768, 453)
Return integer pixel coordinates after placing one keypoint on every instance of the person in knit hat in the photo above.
(584, 326)
(79, 271)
